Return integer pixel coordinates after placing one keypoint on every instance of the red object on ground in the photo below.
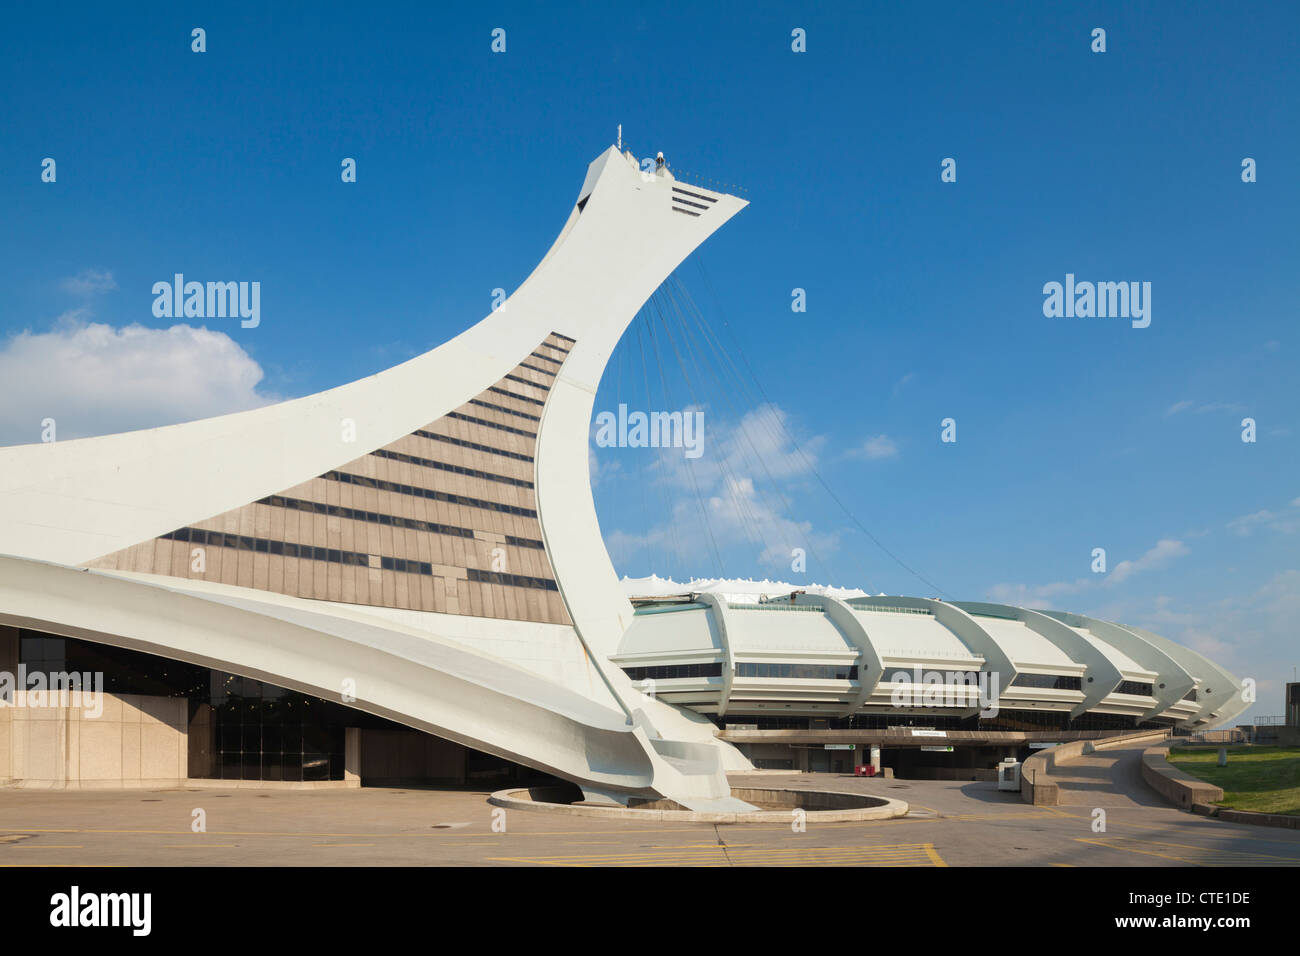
(864, 770)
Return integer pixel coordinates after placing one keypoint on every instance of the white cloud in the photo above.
(601, 471)
(1165, 550)
(733, 497)
(766, 433)
(875, 448)
(1282, 522)
(94, 379)
(1043, 595)
(1203, 408)
(89, 282)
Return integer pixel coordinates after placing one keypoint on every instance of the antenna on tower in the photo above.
(620, 137)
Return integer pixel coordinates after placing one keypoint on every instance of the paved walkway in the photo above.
(951, 823)
(1107, 778)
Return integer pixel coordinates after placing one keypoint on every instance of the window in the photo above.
(763, 669)
(674, 671)
(1049, 681)
(1137, 688)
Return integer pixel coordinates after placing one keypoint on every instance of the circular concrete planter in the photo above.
(821, 806)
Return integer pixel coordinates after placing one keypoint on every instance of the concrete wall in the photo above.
(136, 741)
(9, 664)
(1179, 788)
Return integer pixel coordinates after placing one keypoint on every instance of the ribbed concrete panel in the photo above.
(444, 519)
(1172, 683)
(1219, 694)
(1101, 676)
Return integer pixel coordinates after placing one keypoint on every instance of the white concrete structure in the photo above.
(797, 654)
(426, 540)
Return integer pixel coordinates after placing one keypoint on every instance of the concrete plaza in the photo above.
(951, 823)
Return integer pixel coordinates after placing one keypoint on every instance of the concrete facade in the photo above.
(133, 741)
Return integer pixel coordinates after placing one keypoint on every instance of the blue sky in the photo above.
(924, 298)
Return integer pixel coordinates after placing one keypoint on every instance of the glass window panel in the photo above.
(272, 768)
(315, 738)
(291, 766)
(272, 738)
(230, 765)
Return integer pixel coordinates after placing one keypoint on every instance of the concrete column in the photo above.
(875, 758)
(801, 759)
(352, 756)
(9, 665)
(9, 649)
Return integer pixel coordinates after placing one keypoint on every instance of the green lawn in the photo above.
(1266, 779)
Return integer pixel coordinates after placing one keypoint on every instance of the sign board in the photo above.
(942, 750)
(928, 733)
(1038, 746)
(839, 746)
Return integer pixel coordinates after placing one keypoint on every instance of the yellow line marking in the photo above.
(48, 846)
(907, 854)
(1185, 853)
(1006, 815)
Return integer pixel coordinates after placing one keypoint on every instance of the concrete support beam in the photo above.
(1100, 677)
(1172, 680)
(870, 667)
(352, 754)
(718, 608)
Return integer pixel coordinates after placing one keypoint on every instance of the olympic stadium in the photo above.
(404, 578)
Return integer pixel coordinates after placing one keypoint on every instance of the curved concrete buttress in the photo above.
(1172, 681)
(718, 609)
(870, 667)
(1101, 677)
(1219, 694)
(444, 689)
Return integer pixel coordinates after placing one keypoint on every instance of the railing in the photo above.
(887, 608)
(778, 606)
(1235, 735)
